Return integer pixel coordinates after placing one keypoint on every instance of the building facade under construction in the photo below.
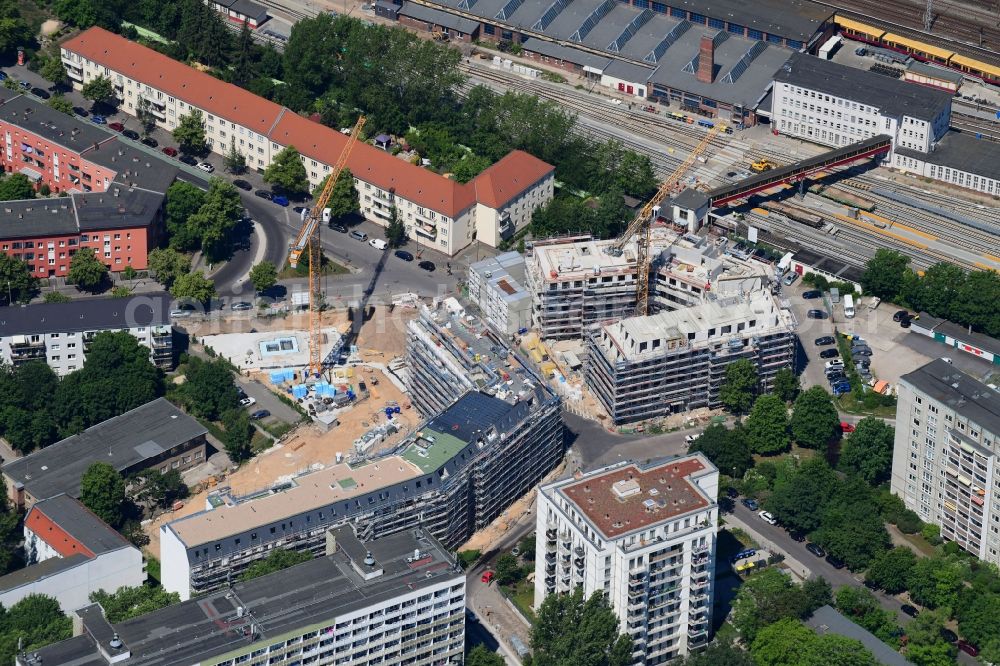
(577, 283)
(453, 475)
(644, 368)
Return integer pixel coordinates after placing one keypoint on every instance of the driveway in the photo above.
(594, 447)
(267, 400)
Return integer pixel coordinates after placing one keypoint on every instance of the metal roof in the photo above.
(961, 151)
(438, 17)
(943, 382)
(81, 524)
(827, 620)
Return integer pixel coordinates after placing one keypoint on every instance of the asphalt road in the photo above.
(594, 446)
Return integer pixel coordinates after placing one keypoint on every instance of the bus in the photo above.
(848, 306)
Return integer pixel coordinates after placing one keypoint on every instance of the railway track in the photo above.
(987, 129)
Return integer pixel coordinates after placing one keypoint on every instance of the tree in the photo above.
(849, 529)
(763, 599)
(130, 602)
(276, 561)
(891, 570)
(469, 167)
(86, 271)
(208, 390)
(817, 593)
(790, 643)
(884, 274)
(786, 384)
(52, 69)
(868, 450)
(55, 297)
(978, 621)
(33, 622)
(154, 488)
(727, 449)
(183, 201)
(815, 420)
(234, 160)
(344, 197)
(238, 435)
(571, 630)
(737, 391)
(194, 286)
(926, 645)
(99, 90)
(287, 172)
(798, 501)
(144, 114)
(16, 187)
(936, 581)
(15, 274)
(168, 264)
(80, 13)
(395, 232)
(938, 287)
(62, 104)
(245, 56)
(767, 426)
(508, 571)
(190, 133)
(480, 656)
(718, 653)
(102, 490)
(975, 302)
(263, 276)
(861, 606)
(212, 226)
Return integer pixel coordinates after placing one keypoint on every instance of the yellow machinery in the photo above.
(762, 165)
(640, 226)
(308, 236)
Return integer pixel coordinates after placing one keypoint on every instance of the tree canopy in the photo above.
(193, 286)
(208, 389)
(766, 597)
(35, 621)
(168, 265)
(99, 90)
(884, 273)
(727, 449)
(767, 426)
(16, 273)
(102, 490)
(278, 559)
(287, 172)
(238, 434)
(739, 386)
(480, 656)
(183, 201)
(815, 421)
(263, 276)
(788, 642)
(15, 187)
(130, 602)
(86, 271)
(573, 630)
(786, 384)
(190, 133)
(890, 570)
(868, 450)
(344, 197)
(849, 529)
(799, 500)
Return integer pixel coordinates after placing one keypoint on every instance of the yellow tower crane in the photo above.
(308, 236)
(640, 226)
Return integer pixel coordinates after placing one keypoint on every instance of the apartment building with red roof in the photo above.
(438, 212)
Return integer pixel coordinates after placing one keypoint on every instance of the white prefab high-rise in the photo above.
(643, 535)
(944, 460)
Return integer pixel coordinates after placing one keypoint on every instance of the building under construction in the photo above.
(576, 283)
(643, 368)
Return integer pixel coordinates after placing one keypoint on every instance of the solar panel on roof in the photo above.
(550, 14)
(671, 37)
(595, 17)
(640, 19)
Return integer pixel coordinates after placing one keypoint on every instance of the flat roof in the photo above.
(438, 17)
(307, 594)
(894, 97)
(962, 333)
(89, 314)
(933, 71)
(631, 497)
(829, 265)
(40, 571)
(123, 442)
(135, 166)
(963, 393)
(65, 514)
(962, 151)
(568, 53)
(792, 19)
(827, 620)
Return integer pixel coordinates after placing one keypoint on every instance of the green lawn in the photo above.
(523, 596)
(302, 270)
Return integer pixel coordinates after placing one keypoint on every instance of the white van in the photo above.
(848, 306)
(378, 243)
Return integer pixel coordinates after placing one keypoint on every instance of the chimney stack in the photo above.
(706, 60)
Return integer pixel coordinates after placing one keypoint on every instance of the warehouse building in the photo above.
(59, 333)
(642, 368)
(453, 475)
(156, 435)
(496, 286)
(645, 536)
(945, 458)
(836, 105)
(393, 601)
(438, 212)
(959, 159)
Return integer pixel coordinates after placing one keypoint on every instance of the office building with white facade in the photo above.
(437, 211)
(835, 105)
(644, 535)
(395, 601)
(496, 286)
(60, 333)
(944, 462)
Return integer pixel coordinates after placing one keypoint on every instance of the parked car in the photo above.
(790, 278)
(949, 635)
(149, 141)
(24, 85)
(841, 389)
(846, 427)
(835, 377)
(910, 610)
(260, 414)
(98, 120)
(242, 184)
(834, 364)
(824, 341)
(359, 235)
(811, 294)
(41, 92)
(299, 209)
(180, 313)
(339, 228)
(861, 351)
(487, 577)
(797, 536)
(280, 199)
(168, 151)
(900, 315)
(835, 561)
(118, 127)
(242, 305)
(80, 111)
(690, 439)
(829, 353)
(905, 323)
(815, 550)
(816, 314)
(187, 159)
(968, 648)
(378, 244)
(404, 255)
(427, 266)
(768, 518)
(130, 134)
(3, 76)
(750, 503)
(248, 401)
(264, 194)
(206, 167)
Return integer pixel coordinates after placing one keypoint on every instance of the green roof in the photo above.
(347, 483)
(444, 448)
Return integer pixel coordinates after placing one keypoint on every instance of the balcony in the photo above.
(425, 230)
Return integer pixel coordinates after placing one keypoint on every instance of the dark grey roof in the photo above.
(71, 132)
(691, 199)
(37, 218)
(124, 442)
(472, 414)
(41, 570)
(567, 53)
(963, 334)
(305, 595)
(937, 72)
(135, 164)
(962, 151)
(81, 524)
(91, 314)
(628, 71)
(829, 265)
(120, 207)
(77, 651)
(249, 8)
(894, 97)
(792, 19)
(827, 620)
(733, 83)
(438, 17)
(963, 393)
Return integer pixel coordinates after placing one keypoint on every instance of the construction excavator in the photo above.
(640, 226)
(308, 240)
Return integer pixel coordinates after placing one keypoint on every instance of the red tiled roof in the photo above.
(175, 78)
(509, 177)
(48, 531)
